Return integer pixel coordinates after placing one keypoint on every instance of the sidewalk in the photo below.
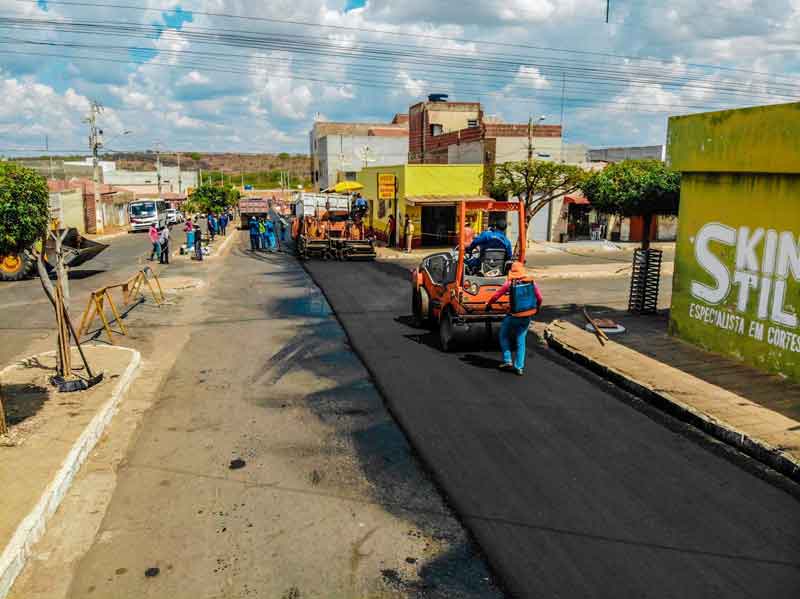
(756, 412)
(50, 436)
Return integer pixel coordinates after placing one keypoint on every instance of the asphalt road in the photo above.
(570, 491)
(264, 463)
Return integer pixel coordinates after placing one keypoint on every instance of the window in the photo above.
(436, 129)
(142, 209)
(441, 268)
(472, 123)
(350, 176)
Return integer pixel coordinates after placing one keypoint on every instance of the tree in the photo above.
(537, 182)
(24, 207)
(195, 156)
(213, 198)
(284, 156)
(635, 188)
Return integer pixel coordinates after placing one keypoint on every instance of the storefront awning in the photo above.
(443, 200)
(579, 200)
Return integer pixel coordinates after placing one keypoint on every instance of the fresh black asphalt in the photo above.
(570, 491)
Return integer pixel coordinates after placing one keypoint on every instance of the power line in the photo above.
(589, 102)
(393, 33)
(487, 73)
(588, 74)
(288, 42)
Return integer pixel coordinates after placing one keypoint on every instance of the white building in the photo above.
(340, 150)
(173, 180)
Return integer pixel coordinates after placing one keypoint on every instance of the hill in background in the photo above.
(259, 170)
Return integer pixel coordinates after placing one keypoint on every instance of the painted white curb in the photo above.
(224, 244)
(32, 527)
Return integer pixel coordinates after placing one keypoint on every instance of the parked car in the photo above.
(172, 216)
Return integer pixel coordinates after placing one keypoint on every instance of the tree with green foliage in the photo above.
(635, 188)
(536, 182)
(24, 207)
(213, 198)
(284, 156)
(195, 156)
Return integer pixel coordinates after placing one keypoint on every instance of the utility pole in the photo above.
(201, 175)
(158, 169)
(180, 183)
(47, 147)
(530, 135)
(95, 142)
(530, 139)
(608, 9)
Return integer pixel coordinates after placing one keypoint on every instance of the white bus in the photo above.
(144, 213)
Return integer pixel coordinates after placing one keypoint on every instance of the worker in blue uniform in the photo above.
(270, 234)
(493, 238)
(255, 241)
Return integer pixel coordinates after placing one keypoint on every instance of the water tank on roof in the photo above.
(437, 98)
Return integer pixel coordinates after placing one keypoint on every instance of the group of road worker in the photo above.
(525, 297)
(265, 233)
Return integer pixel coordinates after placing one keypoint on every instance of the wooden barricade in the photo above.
(131, 288)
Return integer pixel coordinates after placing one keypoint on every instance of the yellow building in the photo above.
(427, 193)
(736, 288)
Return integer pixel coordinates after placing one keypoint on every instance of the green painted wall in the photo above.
(765, 139)
(736, 287)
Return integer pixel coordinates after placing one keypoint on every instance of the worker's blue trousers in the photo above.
(513, 333)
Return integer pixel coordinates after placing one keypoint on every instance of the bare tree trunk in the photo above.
(612, 222)
(648, 222)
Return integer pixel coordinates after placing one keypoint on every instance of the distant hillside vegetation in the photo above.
(297, 164)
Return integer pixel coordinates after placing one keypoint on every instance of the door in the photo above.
(438, 225)
(538, 226)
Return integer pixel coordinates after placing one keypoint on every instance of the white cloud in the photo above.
(414, 88)
(193, 78)
(531, 77)
(247, 89)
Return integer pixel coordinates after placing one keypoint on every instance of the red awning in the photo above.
(580, 200)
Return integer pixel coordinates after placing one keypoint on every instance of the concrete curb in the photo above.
(751, 446)
(224, 244)
(32, 527)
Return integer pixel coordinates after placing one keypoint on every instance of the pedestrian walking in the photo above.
(525, 301)
(188, 229)
(391, 226)
(223, 223)
(255, 236)
(156, 251)
(163, 240)
(198, 242)
(408, 231)
(211, 223)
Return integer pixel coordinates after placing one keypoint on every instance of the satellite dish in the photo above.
(365, 155)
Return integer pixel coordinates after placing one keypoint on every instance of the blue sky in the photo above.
(233, 80)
